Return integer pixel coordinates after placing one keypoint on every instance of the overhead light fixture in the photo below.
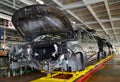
(40, 1)
(74, 22)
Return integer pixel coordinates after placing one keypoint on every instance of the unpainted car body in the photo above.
(52, 42)
(86, 44)
(105, 47)
(110, 48)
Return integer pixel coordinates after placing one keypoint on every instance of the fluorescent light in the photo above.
(37, 0)
(73, 22)
(40, 1)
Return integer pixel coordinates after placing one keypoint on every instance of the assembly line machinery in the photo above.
(52, 45)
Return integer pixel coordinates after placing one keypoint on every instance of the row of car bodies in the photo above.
(52, 42)
(105, 47)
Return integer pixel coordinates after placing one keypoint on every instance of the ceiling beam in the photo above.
(112, 35)
(95, 16)
(101, 21)
(71, 13)
(115, 28)
(80, 4)
(12, 3)
(109, 15)
(6, 12)
(11, 6)
(7, 17)
(8, 5)
(28, 2)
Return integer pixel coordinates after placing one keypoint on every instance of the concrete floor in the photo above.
(23, 78)
(110, 72)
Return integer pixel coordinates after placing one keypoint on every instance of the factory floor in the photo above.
(110, 72)
(23, 78)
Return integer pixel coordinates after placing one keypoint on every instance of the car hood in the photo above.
(35, 20)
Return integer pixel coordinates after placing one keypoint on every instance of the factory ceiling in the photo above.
(101, 15)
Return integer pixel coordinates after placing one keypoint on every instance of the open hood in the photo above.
(36, 20)
(91, 30)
